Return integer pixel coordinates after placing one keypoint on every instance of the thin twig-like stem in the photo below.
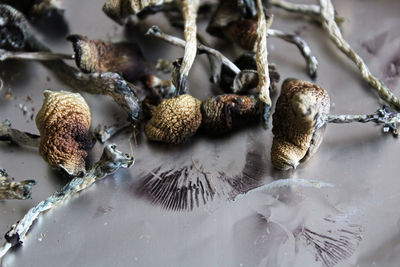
(262, 60)
(327, 17)
(312, 62)
(110, 161)
(17, 137)
(389, 119)
(214, 75)
(4, 55)
(312, 11)
(189, 13)
(14, 190)
(156, 31)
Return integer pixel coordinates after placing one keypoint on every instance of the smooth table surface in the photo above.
(117, 222)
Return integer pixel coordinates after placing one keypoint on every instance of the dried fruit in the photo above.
(174, 120)
(298, 123)
(64, 122)
(221, 114)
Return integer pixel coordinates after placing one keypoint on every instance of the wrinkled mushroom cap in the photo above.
(64, 122)
(174, 120)
(297, 123)
(99, 56)
(223, 113)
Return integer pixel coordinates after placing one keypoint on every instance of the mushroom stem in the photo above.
(384, 116)
(4, 55)
(309, 10)
(156, 31)
(17, 137)
(14, 190)
(305, 50)
(111, 160)
(325, 13)
(327, 17)
(189, 13)
(262, 60)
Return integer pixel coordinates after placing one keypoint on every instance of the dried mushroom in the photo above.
(298, 123)
(174, 120)
(10, 189)
(99, 56)
(221, 114)
(64, 122)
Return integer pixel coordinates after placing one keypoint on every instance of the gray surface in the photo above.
(115, 224)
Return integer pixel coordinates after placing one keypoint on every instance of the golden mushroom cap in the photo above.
(297, 123)
(223, 113)
(174, 120)
(64, 122)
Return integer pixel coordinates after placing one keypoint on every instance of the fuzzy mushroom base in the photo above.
(64, 122)
(297, 123)
(174, 120)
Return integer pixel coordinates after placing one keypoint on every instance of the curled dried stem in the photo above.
(111, 160)
(384, 116)
(327, 17)
(189, 12)
(262, 59)
(304, 48)
(14, 190)
(5, 55)
(9, 134)
(156, 31)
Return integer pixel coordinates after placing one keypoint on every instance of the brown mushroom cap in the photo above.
(223, 113)
(174, 120)
(99, 56)
(297, 123)
(243, 32)
(64, 122)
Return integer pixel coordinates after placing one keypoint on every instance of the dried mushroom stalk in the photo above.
(14, 190)
(18, 35)
(237, 21)
(156, 31)
(385, 116)
(5, 55)
(298, 123)
(64, 125)
(111, 160)
(9, 134)
(262, 60)
(325, 13)
(327, 17)
(104, 133)
(189, 12)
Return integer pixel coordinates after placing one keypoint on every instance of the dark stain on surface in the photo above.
(189, 186)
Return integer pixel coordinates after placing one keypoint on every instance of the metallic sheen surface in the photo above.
(116, 223)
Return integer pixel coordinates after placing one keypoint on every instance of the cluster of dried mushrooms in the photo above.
(165, 108)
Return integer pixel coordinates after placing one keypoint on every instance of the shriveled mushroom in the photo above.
(298, 123)
(224, 113)
(99, 56)
(174, 120)
(64, 122)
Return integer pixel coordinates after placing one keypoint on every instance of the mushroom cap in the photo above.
(298, 123)
(174, 120)
(243, 32)
(99, 56)
(64, 122)
(224, 113)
